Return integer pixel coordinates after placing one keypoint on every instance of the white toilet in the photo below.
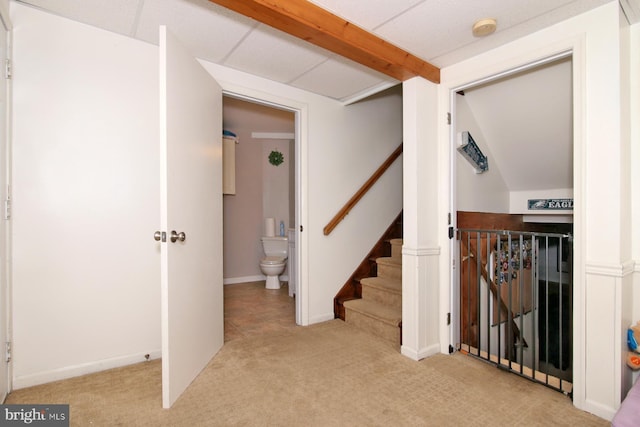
(276, 250)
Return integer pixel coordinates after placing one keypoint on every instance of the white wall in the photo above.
(485, 192)
(601, 265)
(243, 213)
(634, 109)
(86, 193)
(85, 185)
(243, 219)
(275, 184)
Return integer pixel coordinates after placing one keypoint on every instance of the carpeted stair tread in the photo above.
(383, 283)
(379, 309)
(382, 312)
(391, 261)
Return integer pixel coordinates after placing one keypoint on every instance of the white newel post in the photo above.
(421, 248)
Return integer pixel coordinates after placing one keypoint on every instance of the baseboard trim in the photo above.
(422, 354)
(430, 351)
(322, 318)
(599, 409)
(409, 352)
(82, 369)
(248, 279)
(245, 279)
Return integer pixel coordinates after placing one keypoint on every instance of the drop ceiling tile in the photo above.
(275, 55)
(436, 27)
(118, 16)
(353, 79)
(367, 14)
(209, 31)
(523, 27)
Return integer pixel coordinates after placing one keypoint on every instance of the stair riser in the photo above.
(373, 326)
(391, 271)
(396, 249)
(392, 299)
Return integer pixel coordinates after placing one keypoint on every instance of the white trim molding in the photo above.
(611, 269)
(245, 279)
(423, 353)
(423, 251)
(82, 369)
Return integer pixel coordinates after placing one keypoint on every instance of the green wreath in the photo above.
(276, 158)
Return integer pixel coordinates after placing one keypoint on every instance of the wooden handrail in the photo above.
(362, 191)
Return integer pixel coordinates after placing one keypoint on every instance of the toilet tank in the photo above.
(275, 246)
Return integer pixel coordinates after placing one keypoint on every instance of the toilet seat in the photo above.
(272, 260)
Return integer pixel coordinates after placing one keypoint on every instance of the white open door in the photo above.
(191, 203)
(5, 250)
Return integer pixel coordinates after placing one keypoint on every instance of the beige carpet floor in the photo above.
(328, 374)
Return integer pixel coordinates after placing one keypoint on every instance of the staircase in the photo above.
(379, 311)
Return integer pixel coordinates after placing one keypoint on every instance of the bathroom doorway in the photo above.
(262, 190)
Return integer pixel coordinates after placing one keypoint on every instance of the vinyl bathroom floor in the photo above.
(250, 309)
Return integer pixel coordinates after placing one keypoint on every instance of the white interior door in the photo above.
(191, 203)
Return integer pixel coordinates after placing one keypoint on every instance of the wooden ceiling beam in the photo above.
(305, 20)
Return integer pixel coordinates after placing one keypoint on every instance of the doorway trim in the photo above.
(6, 307)
(460, 79)
(454, 309)
(300, 111)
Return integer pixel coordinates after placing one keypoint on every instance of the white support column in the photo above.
(421, 249)
(605, 243)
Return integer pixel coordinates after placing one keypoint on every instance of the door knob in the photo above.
(157, 236)
(177, 236)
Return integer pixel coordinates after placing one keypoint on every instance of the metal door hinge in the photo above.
(450, 232)
(448, 318)
(7, 209)
(301, 229)
(448, 118)
(8, 351)
(7, 69)
(451, 349)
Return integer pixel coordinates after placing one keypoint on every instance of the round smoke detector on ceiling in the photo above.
(484, 27)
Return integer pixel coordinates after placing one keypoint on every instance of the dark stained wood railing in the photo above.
(361, 192)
